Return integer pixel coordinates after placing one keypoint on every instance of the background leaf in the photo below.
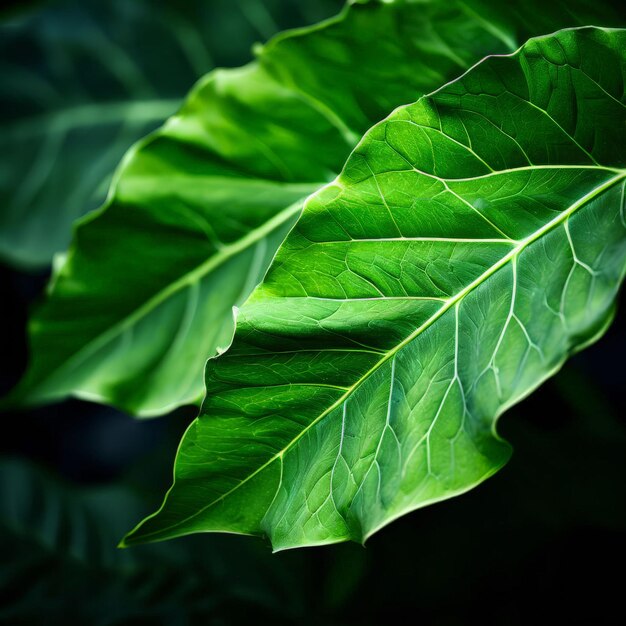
(473, 241)
(81, 82)
(55, 537)
(199, 208)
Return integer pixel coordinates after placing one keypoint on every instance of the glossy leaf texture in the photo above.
(80, 82)
(199, 208)
(473, 241)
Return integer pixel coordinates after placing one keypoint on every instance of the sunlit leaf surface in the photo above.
(473, 241)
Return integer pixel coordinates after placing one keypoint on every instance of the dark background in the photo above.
(538, 543)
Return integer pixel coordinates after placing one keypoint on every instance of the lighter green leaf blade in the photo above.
(473, 241)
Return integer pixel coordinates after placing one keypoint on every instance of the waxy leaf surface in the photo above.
(472, 242)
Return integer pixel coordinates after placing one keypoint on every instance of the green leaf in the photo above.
(199, 208)
(473, 241)
(79, 86)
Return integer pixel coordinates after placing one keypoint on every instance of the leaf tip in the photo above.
(129, 540)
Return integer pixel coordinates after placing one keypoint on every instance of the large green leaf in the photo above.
(83, 80)
(199, 208)
(472, 242)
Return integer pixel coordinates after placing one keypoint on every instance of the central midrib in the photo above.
(524, 243)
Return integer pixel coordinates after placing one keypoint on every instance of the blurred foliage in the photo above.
(60, 539)
(81, 81)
